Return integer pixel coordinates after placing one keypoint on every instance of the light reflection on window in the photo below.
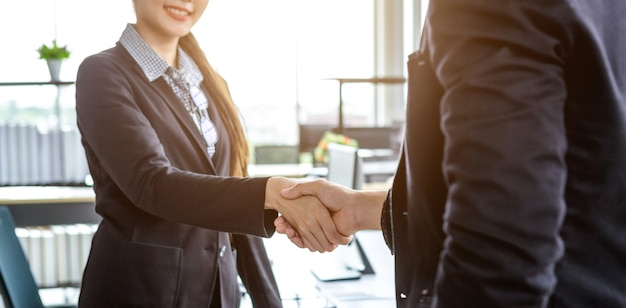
(275, 55)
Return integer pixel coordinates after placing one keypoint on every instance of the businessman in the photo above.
(511, 188)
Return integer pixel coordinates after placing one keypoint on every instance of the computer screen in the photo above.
(344, 166)
(350, 261)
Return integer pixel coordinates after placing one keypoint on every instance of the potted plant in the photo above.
(320, 153)
(54, 56)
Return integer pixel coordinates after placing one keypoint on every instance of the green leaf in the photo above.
(53, 52)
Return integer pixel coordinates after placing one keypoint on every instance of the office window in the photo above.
(275, 54)
(85, 26)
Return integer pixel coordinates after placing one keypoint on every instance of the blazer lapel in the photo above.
(184, 119)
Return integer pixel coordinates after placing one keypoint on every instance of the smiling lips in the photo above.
(177, 13)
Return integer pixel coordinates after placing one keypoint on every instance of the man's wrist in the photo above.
(368, 206)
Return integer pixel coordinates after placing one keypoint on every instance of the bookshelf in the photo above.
(32, 156)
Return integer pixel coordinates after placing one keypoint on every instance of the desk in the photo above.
(376, 168)
(35, 206)
(292, 267)
(286, 170)
(49, 205)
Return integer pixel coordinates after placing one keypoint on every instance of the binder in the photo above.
(74, 261)
(49, 262)
(67, 156)
(86, 235)
(21, 146)
(61, 254)
(45, 158)
(33, 155)
(56, 160)
(35, 253)
(4, 155)
(23, 236)
(75, 163)
(12, 155)
(27, 154)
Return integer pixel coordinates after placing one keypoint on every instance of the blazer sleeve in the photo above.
(500, 64)
(126, 150)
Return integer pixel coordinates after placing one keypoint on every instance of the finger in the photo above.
(324, 231)
(330, 233)
(312, 232)
(298, 190)
(281, 224)
(283, 227)
(308, 245)
(312, 241)
(298, 241)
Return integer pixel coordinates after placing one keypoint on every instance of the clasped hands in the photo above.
(320, 215)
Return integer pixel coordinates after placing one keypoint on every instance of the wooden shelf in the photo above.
(370, 80)
(36, 83)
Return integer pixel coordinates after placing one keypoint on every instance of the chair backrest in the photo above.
(345, 166)
(18, 285)
(310, 135)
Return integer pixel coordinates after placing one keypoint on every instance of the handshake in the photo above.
(320, 215)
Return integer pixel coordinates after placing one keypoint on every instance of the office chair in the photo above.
(17, 284)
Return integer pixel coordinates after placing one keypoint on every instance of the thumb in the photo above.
(298, 190)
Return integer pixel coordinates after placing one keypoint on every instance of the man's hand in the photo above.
(338, 199)
(315, 227)
(351, 210)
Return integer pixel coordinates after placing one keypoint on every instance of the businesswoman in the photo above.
(167, 152)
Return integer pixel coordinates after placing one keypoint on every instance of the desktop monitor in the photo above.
(350, 261)
(345, 166)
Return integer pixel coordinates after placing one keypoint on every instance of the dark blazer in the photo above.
(162, 241)
(511, 190)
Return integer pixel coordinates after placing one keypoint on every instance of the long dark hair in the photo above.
(218, 90)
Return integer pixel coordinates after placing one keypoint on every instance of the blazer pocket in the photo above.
(149, 275)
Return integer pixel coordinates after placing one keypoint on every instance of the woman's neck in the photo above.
(166, 47)
(168, 52)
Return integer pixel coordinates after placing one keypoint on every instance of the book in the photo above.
(45, 158)
(56, 158)
(86, 235)
(61, 255)
(23, 236)
(12, 155)
(74, 261)
(49, 262)
(35, 254)
(4, 155)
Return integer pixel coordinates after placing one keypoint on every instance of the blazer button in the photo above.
(402, 295)
(222, 251)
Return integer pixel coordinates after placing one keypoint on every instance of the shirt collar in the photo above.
(152, 65)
